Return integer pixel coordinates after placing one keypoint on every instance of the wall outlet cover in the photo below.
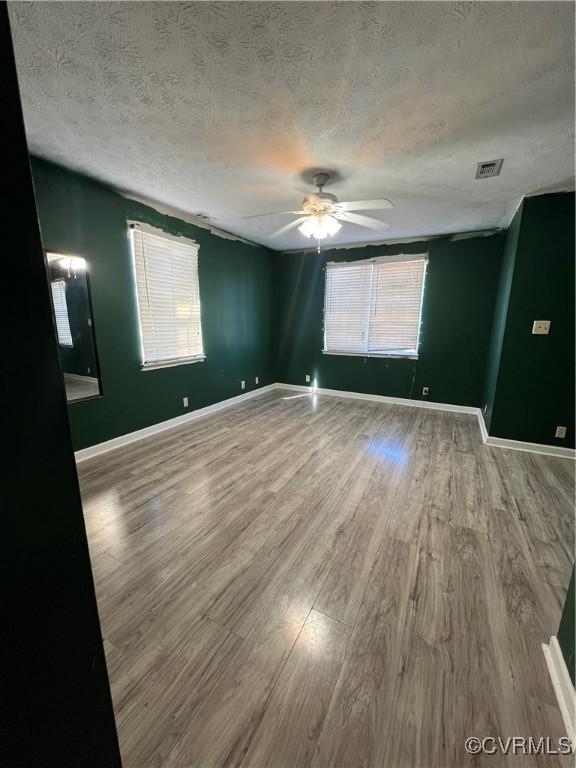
(307, 378)
(560, 432)
(541, 327)
(185, 402)
(256, 380)
(425, 391)
(242, 384)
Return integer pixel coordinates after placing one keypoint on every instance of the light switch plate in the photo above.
(541, 327)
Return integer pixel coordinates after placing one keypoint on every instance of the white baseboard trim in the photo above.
(496, 442)
(381, 398)
(562, 684)
(154, 429)
(518, 445)
(482, 425)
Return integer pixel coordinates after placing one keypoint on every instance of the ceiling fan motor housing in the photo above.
(319, 202)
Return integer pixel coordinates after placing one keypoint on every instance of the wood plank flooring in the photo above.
(78, 387)
(304, 580)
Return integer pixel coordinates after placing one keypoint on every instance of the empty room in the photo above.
(288, 382)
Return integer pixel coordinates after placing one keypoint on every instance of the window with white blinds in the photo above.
(373, 307)
(166, 271)
(61, 313)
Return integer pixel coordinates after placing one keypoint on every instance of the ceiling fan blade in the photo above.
(274, 213)
(361, 221)
(288, 227)
(367, 205)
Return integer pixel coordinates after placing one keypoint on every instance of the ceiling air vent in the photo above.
(489, 169)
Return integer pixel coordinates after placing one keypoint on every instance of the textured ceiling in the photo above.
(219, 107)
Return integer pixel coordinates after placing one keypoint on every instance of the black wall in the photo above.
(56, 710)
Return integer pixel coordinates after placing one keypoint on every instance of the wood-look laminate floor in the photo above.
(79, 387)
(315, 581)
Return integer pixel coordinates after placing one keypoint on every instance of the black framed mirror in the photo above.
(72, 304)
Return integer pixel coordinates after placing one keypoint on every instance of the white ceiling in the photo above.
(219, 107)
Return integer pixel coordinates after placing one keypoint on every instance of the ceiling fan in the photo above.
(322, 213)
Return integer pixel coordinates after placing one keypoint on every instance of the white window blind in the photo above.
(373, 307)
(168, 298)
(61, 313)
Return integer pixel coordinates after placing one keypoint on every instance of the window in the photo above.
(61, 313)
(373, 307)
(166, 270)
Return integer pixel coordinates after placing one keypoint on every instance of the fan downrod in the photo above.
(321, 179)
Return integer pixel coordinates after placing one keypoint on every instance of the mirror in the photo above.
(70, 290)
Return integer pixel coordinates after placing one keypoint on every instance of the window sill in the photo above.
(171, 363)
(390, 355)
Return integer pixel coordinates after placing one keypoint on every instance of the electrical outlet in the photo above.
(425, 391)
(242, 384)
(256, 380)
(560, 432)
(307, 378)
(185, 402)
(541, 327)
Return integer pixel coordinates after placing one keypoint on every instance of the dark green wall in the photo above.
(500, 314)
(535, 385)
(262, 316)
(566, 631)
(459, 297)
(81, 216)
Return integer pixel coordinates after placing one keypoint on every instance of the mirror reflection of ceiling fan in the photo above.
(322, 213)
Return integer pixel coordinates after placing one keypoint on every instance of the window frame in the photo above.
(399, 354)
(151, 365)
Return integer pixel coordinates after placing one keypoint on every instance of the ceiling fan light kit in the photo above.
(322, 213)
(319, 226)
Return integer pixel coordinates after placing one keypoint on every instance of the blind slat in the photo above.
(61, 313)
(374, 307)
(168, 298)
